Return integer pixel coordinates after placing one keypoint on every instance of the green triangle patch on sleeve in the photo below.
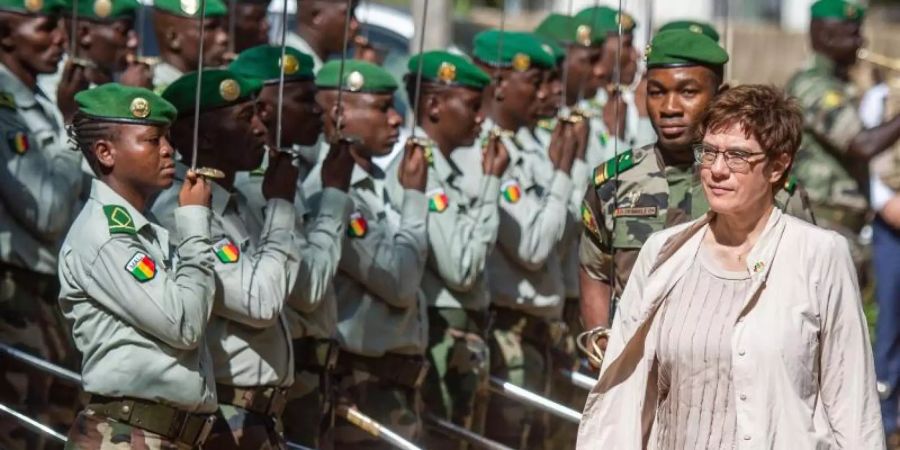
(7, 100)
(118, 219)
(604, 172)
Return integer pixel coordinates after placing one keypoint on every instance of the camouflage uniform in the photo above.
(97, 432)
(39, 189)
(650, 197)
(831, 121)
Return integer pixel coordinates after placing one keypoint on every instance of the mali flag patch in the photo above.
(511, 191)
(437, 200)
(18, 141)
(358, 226)
(141, 267)
(226, 251)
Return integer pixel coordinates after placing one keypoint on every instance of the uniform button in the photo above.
(125, 409)
(746, 437)
(743, 396)
(742, 353)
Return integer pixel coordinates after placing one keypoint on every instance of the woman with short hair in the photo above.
(742, 329)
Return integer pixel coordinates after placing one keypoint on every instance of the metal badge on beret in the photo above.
(229, 90)
(291, 65)
(583, 35)
(547, 49)
(140, 107)
(446, 72)
(521, 62)
(355, 81)
(102, 8)
(189, 7)
(625, 20)
(34, 5)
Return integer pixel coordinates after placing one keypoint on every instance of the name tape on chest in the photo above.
(640, 211)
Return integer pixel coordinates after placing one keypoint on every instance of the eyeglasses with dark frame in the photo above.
(736, 160)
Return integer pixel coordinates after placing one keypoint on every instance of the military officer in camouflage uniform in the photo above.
(313, 306)
(39, 189)
(381, 312)
(138, 312)
(524, 272)
(256, 255)
(462, 230)
(178, 35)
(833, 160)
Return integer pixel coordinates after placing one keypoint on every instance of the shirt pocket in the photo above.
(632, 232)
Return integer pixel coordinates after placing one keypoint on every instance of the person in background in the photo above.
(320, 28)
(175, 24)
(251, 24)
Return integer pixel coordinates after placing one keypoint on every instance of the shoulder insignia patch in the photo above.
(511, 191)
(614, 166)
(226, 251)
(832, 99)
(358, 227)
(790, 185)
(587, 218)
(437, 200)
(18, 141)
(141, 267)
(7, 100)
(118, 219)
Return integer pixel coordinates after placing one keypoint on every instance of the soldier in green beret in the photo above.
(646, 189)
(251, 24)
(313, 305)
(138, 319)
(462, 229)
(381, 320)
(178, 35)
(319, 31)
(41, 181)
(524, 275)
(257, 254)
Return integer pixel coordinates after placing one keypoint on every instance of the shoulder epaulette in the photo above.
(118, 219)
(609, 169)
(790, 184)
(7, 100)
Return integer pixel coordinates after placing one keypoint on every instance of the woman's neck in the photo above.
(732, 236)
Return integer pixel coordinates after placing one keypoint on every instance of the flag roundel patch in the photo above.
(511, 191)
(141, 267)
(437, 200)
(18, 141)
(358, 227)
(226, 251)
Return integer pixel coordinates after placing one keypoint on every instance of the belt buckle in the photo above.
(205, 430)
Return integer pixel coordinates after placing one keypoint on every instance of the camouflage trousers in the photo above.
(305, 415)
(95, 432)
(456, 386)
(520, 348)
(390, 404)
(238, 429)
(31, 321)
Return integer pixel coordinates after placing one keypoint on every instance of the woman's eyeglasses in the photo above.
(736, 160)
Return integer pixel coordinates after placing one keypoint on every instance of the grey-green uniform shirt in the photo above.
(293, 39)
(320, 233)
(524, 271)
(41, 178)
(462, 231)
(139, 312)
(164, 74)
(380, 304)
(255, 269)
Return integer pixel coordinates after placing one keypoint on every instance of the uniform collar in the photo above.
(25, 97)
(105, 195)
(294, 40)
(444, 168)
(360, 176)
(822, 63)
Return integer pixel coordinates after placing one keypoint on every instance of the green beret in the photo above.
(520, 50)
(264, 62)
(446, 68)
(43, 7)
(102, 10)
(114, 102)
(359, 76)
(606, 18)
(684, 48)
(191, 8)
(837, 9)
(563, 30)
(218, 88)
(692, 25)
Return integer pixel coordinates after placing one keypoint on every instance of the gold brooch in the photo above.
(34, 5)
(446, 72)
(583, 35)
(102, 8)
(291, 65)
(189, 7)
(229, 90)
(521, 62)
(140, 107)
(355, 81)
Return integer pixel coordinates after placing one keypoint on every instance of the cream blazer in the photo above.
(802, 362)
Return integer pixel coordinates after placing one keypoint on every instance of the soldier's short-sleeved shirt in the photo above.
(40, 180)
(164, 74)
(831, 121)
(139, 311)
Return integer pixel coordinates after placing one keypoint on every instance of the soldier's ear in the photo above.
(500, 87)
(6, 39)
(722, 88)
(432, 106)
(84, 34)
(105, 154)
(173, 38)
